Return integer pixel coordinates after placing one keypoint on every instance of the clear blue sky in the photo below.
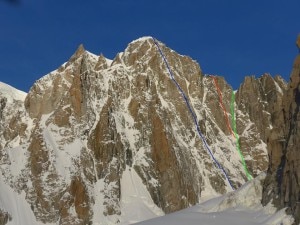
(232, 38)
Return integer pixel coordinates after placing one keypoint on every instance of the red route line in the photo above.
(222, 105)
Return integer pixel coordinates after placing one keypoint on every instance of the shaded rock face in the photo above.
(282, 183)
(84, 124)
(262, 98)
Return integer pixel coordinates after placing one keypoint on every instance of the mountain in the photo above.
(101, 141)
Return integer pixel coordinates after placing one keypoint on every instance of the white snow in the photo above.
(136, 202)
(235, 208)
(17, 159)
(108, 61)
(99, 207)
(16, 205)
(278, 88)
(142, 39)
(233, 216)
(64, 153)
(11, 93)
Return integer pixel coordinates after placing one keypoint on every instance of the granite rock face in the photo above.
(87, 125)
(282, 183)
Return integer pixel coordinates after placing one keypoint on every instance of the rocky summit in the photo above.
(97, 141)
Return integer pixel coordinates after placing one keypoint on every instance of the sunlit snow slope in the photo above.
(241, 207)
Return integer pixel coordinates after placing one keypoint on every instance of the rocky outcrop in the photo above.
(262, 99)
(11, 114)
(4, 217)
(282, 183)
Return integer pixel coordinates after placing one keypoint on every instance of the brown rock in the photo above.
(4, 217)
(81, 199)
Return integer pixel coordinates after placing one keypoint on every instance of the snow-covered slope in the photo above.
(11, 93)
(235, 208)
(16, 206)
(239, 207)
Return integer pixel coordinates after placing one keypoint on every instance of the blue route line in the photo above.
(192, 112)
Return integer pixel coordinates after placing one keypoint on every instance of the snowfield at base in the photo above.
(235, 216)
(241, 207)
(136, 201)
(235, 208)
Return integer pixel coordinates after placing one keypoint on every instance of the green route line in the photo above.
(233, 120)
